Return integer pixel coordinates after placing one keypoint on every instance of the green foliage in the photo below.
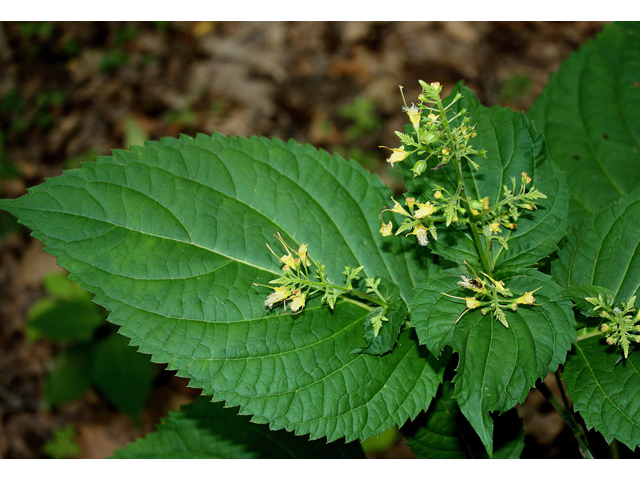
(90, 357)
(498, 366)
(349, 331)
(207, 430)
(63, 443)
(177, 275)
(589, 115)
(444, 432)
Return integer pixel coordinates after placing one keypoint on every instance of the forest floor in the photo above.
(72, 91)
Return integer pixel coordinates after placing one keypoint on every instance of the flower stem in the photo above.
(485, 256)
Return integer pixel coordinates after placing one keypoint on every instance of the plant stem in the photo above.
(568, 417)
(563, 394)
(485, 257)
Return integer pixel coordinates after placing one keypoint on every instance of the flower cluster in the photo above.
(418, 220)
(434, 134)
(294, 274)
(295, 285)
(620, 325)
(491, 296)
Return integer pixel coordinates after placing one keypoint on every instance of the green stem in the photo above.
(563, 394)
(568, 417)
(355, 293)
(485, 257)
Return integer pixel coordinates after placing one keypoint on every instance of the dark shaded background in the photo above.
(71, 91)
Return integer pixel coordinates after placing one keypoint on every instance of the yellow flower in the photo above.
(437, 194)
(527, 298)
(386, 229)
(302, 254)
(414, 115)
(424, 210)
(472, 303)
(421, 234)
(398, 154)
(410, 202)
(473, 284)
(446, 151)
(485, 203)
(281, 293)
(495, 227)
(297, 301)
(289, 262)
(397, 208)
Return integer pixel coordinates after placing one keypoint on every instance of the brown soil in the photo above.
(71, 91)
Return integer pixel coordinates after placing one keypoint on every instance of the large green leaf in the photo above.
(590, 115)
(604, 252)
(497, 365)
(605, 389)
(124, 377)
(207, 430)
(513, 146)
(171, 238)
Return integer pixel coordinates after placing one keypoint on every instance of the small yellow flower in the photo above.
(527, 298)
(472, 303)
(432, 117)
(302, 254)
(437, 194)
(473, 284)
(511, 226)
(397, 208)
(446, 151)
(485, 203)
(414, 115)
(398, 154)
(421, 234)
(526, 178)
(386, 229)
(297, 301)
(424, 210)
(289, 262)
(410, 202)
(281, 293)
(495, 227)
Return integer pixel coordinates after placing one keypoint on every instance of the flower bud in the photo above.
(605, 327)
(438, 195)
(430, 138)
(419, 168)
(476, 204)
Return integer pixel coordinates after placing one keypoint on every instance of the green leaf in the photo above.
(590, 115)
(605, 250)
(70, 375)
(171, 238)
(123, 376)
(63, 443)
(497, 366)
(387, 337)
(70, 320)
(443, 432)
(604, 254)
(605, 389)
(207, 430)
(514, 146)
(578, 293)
